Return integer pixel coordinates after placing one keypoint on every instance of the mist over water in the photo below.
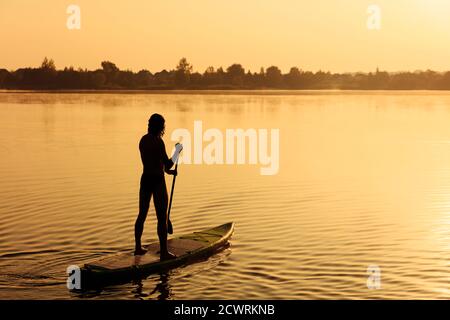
(364, 179)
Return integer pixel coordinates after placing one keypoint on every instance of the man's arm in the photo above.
(168, 163)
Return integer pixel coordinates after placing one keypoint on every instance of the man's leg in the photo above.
(144, 203)
(160, 199)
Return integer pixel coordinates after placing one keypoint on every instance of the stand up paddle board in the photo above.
(125, 266)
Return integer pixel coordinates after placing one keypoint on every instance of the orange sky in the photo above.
(154, 34)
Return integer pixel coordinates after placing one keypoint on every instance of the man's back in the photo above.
(153, 155)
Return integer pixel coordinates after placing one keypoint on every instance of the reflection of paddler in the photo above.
(155, 162)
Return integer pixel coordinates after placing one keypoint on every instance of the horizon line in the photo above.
(377, 69)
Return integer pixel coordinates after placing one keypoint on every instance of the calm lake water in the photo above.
(364, 179)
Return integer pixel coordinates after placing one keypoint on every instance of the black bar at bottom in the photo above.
(221, 309)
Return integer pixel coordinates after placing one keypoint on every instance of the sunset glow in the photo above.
(153, 34)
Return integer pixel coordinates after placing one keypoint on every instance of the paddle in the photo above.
(169, 224)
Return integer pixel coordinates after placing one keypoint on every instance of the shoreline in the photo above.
(274, 92)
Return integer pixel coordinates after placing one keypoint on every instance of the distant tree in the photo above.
(444, 82)
(378, 80)
(162, 78)
(235, 70)
(195, 80)
(184, 66)
(220, 76)
(431, 79)
(209, 77)
(43, 77)
(274, 77)
(209, 70)
(308, 80)
(212, 78)
(111, 72)
(405, 81)
(97, 79)
(259, 79)
(249, 80)
(4, 74)
(183, 72)
(68, 78)
(144, 78)
(294, 78)
(109, 67)
(323, 80)
(48, 64)
(235, 74)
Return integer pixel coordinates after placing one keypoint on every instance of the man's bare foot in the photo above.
(167, 256)
(139, 252)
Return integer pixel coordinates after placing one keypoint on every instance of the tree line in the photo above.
(110, 77)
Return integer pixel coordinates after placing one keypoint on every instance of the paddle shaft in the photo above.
(169, 224)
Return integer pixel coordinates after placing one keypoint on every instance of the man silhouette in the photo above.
(155, 162)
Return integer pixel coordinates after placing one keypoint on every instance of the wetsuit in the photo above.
(155, 162)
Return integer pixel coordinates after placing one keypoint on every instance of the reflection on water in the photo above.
(364, 180)
(162, 288)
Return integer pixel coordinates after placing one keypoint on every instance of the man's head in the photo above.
(156, 125)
